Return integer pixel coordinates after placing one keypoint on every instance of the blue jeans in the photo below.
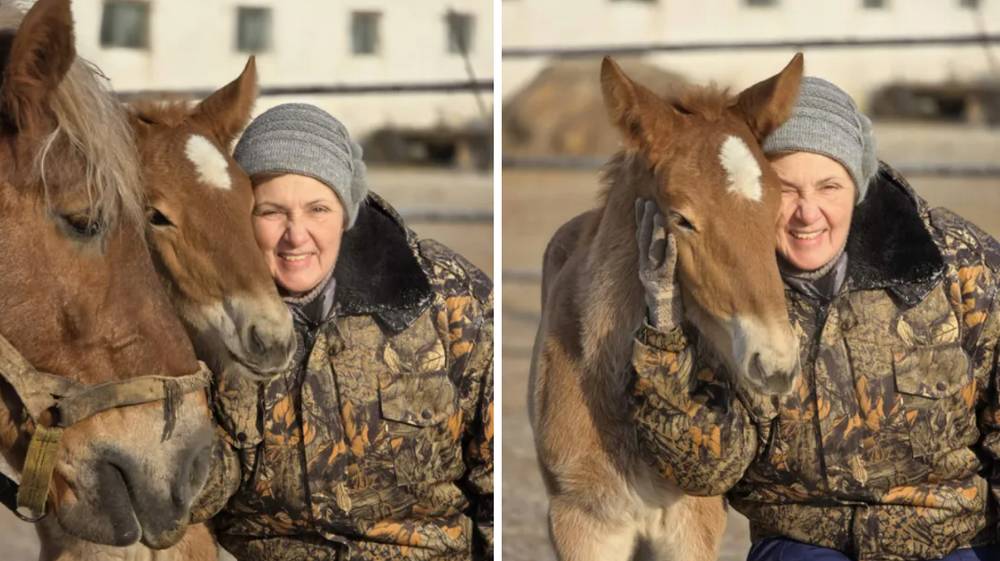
(780, 549)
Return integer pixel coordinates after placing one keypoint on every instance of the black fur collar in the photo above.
(378, 271)
(889, 245)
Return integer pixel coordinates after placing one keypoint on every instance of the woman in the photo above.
(877, 453)
(377, 444)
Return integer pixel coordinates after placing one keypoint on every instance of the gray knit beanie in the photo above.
(305, 140)
(826, 121)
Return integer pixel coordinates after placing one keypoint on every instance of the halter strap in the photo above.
(70, 402)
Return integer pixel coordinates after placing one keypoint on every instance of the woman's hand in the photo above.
(657, 267)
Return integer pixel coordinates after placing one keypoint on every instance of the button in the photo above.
(941, 386)
(426, 414)
(242, 437)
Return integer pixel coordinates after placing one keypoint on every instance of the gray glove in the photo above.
(657, 267)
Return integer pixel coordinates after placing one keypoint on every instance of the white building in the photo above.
(203, 44)
(588, 23)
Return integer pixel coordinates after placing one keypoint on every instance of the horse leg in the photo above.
(690, 529)
(580, 536)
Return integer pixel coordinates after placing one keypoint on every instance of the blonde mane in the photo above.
(92, 125)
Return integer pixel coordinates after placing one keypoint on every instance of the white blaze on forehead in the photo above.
(741, 168)
(210, 164)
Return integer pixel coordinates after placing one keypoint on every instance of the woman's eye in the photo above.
(320, 209)
(83, 224)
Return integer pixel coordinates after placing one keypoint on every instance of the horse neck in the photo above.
(613, 308)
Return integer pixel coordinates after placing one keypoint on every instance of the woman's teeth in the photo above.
(294, 257)
(806, 235)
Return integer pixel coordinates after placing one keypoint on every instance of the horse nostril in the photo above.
(758, 365)
(257, 341)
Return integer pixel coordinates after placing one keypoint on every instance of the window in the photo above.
(460, 31)
(125, 23)
(761, 3)
(253, 29)
(364, 33)
(874, 4)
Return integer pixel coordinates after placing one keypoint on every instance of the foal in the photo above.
(698, 157)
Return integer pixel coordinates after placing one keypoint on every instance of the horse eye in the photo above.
(682, 222)
(157, 218)
(84, 225)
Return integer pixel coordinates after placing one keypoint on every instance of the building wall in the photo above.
(541, 23)
(193, 46)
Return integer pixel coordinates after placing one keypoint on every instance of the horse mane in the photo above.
(709, 102)
(91, 124)
(169, 112)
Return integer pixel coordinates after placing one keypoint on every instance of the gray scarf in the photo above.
(314, 308)
(823, 283)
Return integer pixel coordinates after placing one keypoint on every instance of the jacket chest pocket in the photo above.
(935, 386)
(423, 421)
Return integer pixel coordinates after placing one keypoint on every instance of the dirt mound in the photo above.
(560, 112)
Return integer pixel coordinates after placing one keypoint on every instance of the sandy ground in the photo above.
(535, 203)
(411, 190)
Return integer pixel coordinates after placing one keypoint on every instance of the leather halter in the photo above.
(68, 402)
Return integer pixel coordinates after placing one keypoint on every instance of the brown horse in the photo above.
(698, 157)
(81, 301)
(198, 214)
(199, 229)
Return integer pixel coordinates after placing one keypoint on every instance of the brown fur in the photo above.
(87, 306)
(210, 255)
(605, 504)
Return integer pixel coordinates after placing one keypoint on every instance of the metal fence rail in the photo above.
(456, 86)
(937, 169)
(784, 44)
(451, 216)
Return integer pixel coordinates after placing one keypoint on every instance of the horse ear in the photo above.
(632, 108)
(227, 111)
(768, 104)
(41, 54)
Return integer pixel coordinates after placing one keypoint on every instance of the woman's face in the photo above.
(817, 201)
(298, 222)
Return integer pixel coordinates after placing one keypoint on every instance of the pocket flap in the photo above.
(417, 398)
(931, 371)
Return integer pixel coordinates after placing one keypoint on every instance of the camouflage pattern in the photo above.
(877, 451)
(381, 446)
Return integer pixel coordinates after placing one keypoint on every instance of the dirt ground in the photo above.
(412, 191)
(536, 202)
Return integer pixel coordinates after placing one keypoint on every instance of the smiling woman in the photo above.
(298, 225)
(379, 438)
(817, 201)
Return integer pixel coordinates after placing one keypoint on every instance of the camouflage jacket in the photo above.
(886, 447)
(379, 445)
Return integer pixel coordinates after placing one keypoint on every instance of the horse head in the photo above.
(698, 156)
(199, 223)
(82, 304)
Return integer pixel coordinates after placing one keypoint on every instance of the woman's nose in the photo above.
(807, 211)
(296, 233)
